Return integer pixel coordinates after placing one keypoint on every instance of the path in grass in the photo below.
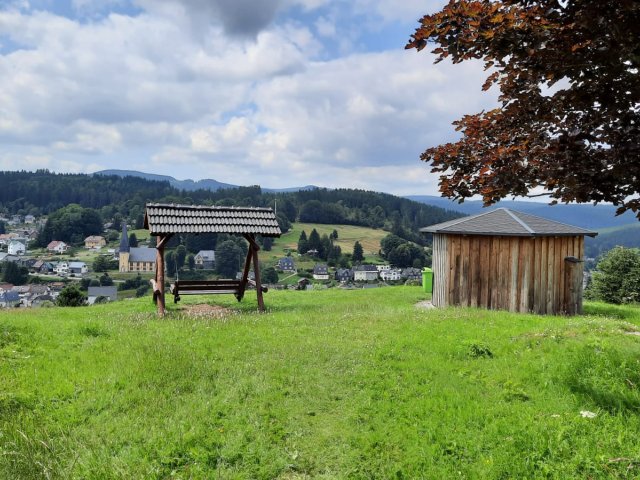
(327, 384)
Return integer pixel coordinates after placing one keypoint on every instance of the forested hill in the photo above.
(43, 192)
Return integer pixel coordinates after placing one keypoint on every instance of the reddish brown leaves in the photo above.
(581, 142)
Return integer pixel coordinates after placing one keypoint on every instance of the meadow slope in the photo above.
(326, 384)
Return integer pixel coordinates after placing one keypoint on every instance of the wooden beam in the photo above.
(245, 274)
(256, 268)
(162, 240)
(160, 243)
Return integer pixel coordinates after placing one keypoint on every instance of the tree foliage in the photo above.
(14, 274)
(358, 252)
(181, 256)
(123, 200)
(303, 243)
(314, 242)
(71, 296)
(71, 224)
(569, 116)
(170, 263)
(617, 277)
(104, 263)
(133, 240)
(105, 280)
(270, 275)
(229, 255)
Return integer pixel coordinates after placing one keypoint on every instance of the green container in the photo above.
(427, 280)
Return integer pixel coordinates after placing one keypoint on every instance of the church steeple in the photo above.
(124, 241)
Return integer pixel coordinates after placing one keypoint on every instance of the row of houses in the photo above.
(19, 220)
(23, 236)
(33, 296)
(28, 295)
(367, 273)
(35, 265)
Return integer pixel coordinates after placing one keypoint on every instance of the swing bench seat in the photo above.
(210, 287)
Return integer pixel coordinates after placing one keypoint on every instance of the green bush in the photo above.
(617, 277)
(71, 296)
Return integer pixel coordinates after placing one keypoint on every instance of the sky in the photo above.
(279, 93)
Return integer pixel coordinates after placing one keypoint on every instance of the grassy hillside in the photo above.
(347, 236)
(327, 384)
(608, 238)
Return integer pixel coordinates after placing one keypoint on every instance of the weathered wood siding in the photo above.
(440, 274)
(519, 274)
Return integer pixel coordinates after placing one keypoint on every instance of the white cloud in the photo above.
(266, 104)
(21, 161)
(326, 27)
(91, 138)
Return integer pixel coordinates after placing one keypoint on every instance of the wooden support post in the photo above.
(572, 285)
(256, 268)
(245, 275)
(160, 301)
(254, 248)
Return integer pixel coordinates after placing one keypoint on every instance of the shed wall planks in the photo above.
(519, 274)
(440, 271)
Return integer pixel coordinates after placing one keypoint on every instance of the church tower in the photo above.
(125, 250)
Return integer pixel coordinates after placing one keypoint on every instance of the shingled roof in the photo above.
(170, 218)
(504, 221)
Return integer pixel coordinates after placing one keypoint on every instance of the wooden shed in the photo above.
(508, 260)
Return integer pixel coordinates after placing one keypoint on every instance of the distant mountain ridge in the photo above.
(191, 185)
(594, 217)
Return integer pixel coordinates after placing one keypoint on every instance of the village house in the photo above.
(286, 264)
(16, 248)
(365, 273)
(252, 275)
(61, 268)
(321, 272)
(5, 238)
(56, 246)
(110, 293)
(28, 292)
(9, 299)
(78, 268)
(56, 287)
(40, 266)
(344, 275)
(39, 300)
(5, 257)
(205, 259)
(391, 274)
(95, 242)
(135, 259)
(5, 287)
(412, 274)
(29, 219)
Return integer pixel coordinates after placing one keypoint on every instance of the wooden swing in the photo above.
(166, 220)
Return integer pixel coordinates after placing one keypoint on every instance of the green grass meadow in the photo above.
(348, 235)
(327, 384)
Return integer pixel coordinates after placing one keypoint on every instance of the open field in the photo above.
(347, 236)
(326, 384)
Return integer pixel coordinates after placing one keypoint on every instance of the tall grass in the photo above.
(326, 384)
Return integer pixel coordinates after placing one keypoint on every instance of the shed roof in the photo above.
(507, 222)
(170, 218)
